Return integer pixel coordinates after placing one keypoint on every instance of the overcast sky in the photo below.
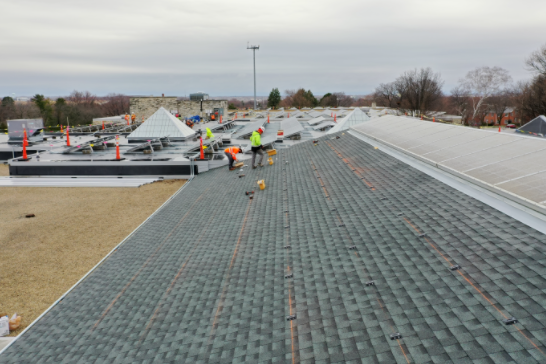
(177, 47)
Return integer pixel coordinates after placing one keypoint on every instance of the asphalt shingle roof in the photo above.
(207, 280)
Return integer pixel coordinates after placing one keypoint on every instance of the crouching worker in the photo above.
(231, 153)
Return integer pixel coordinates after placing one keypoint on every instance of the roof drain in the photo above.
(290, 317)
(422, 235)
(396, 336)
(352, 247)
(291, 275)
(455, 267)
(287, 247)
(370, 283)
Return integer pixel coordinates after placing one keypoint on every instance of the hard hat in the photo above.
(260, 130)
(240, 148)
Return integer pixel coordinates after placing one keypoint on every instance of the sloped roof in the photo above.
(355, 117)
(162, 124)
(537, 126)
(345, 247)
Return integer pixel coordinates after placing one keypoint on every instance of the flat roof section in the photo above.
(490, 159)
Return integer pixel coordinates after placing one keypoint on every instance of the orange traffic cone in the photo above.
(220, 119)
(433, 119)
(62, 128)
(67, 136)
(421, 117)
(499, 128)
(103, 125)
(202, 156)
(335, 118)
(118, 157)
(268, 118)
(288, 114)
(25, 143)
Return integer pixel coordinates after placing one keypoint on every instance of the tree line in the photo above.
(483, 91)
(78, 108)
(301, 98)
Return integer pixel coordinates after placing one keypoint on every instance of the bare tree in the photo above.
(482, 83)
(82, 98)
(343, 100)
(116, 104)
(498, 103)
(530, 98)
(537, 61)
(460, 102)
(420, 89)
(386, 94)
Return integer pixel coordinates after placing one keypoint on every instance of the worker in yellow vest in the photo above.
(209, 134)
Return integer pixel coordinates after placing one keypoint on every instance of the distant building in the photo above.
(145, 106)
(508, 117)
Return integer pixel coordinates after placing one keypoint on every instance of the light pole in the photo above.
(254, 48)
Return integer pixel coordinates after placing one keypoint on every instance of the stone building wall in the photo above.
(146, 106)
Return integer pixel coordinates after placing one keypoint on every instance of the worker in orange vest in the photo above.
(133, 118)
(231, 154)
(126, 117)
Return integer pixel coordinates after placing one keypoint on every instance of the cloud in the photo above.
(177, 47)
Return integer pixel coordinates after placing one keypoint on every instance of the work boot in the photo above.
(254, 167)
(261, 165)
(232, 168)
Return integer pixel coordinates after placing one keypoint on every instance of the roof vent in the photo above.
(383, 198)
(290, 317)
(396, 336)
(455, 267)
(341, 225)
(399, 214)
(291, 275)
(352, 247)
(287, 247)
(370, 283)
(334, 209)
(510, 321)
(422, 235)
(285, 210)
(287, 226)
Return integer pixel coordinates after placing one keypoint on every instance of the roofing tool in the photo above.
(510, 321)
(249, 193)
(251, 197)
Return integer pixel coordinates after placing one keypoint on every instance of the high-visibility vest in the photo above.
(209, 134)
(232, 151)
(256, 139)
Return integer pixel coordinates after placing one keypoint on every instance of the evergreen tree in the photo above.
(274, 98)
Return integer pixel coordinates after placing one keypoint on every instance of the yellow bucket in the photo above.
(261, 183)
